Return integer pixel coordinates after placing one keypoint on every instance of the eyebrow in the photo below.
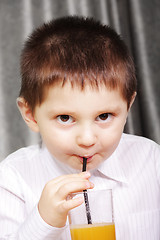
(60, 112)
(55, 111)
(110, 109)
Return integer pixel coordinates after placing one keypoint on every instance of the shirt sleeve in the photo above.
(35, 228)
(15, 224)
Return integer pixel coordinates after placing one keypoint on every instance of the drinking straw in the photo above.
(88, 214)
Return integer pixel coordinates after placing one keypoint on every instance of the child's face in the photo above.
(76, 124)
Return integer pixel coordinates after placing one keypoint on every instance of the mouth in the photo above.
(89, 158)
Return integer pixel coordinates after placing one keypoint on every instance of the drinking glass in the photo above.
(94, 219)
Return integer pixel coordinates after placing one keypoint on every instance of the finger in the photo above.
(55, 184)
(72, 187)
(73, 203)
(84, 175)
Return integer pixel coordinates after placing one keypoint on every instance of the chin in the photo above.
(76, 167)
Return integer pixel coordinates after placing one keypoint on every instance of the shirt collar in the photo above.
(126, 162)
(113, 169)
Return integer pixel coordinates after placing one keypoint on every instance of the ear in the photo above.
(27, 114)
(132, 100)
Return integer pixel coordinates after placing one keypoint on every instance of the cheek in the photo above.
(57, 141)
(113, 134)
(110, 140)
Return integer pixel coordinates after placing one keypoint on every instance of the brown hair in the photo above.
(79, 50)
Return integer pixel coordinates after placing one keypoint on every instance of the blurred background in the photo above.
(138, 22)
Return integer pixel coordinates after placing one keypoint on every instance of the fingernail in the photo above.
(88, 185)
(91, 185)
(87, 174)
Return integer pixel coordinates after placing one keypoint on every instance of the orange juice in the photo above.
(102, 231)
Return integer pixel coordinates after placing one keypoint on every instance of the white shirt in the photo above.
(133, 172)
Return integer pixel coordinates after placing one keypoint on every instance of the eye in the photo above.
(104, 117)
(64, 119)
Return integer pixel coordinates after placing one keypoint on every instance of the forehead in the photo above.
(68, 96)
(112, 80)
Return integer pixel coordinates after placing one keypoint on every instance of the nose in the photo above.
(86, 137)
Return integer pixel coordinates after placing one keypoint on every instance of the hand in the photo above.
(53, 205)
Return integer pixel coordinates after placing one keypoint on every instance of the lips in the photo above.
(89, 158)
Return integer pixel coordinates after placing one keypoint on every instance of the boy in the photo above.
(78, 85)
